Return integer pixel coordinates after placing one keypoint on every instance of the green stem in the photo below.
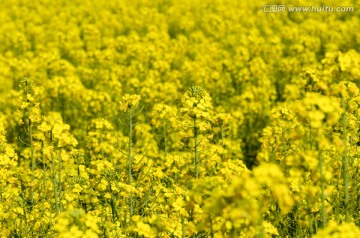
(25, 212)
(55, 185)
(101, 143)
(323, 216)
(196, 151)
(345, 172)
(260, 225)
(32, 160)
(129, 162)
(283, 141)
(222, 141)
(59, 184)
(165, 139)
(182, 227)
(309, 214)
(113, 205)
(284, 149)
(311, 138)
(53, 175)
(44, 183)
(211, 227)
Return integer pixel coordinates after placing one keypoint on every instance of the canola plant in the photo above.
(165, 118)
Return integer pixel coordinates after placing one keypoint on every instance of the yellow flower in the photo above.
(270, 229)
(334, 229)
(44, 127)
(196, 102)
(129, 102)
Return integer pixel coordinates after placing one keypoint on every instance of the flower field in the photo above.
(166, 118)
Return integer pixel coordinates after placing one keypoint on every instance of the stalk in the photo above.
(165, 139)
(55, 186)
(101, 143)
(283, 141)
(222, 141)
(211, 228)
(308, 197)
(53, 175)
(32, 160)
(311, 230)
(182, 227)
(260, 225)
(196, 151)
(44, 183)
(31, 143)
(323, 215)
(25, 213)
(59, 184)
(129, 162)
(129, 158)
(113, 205)
(311, 138)
(284, 148)
(345, 172)
(26, 222)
